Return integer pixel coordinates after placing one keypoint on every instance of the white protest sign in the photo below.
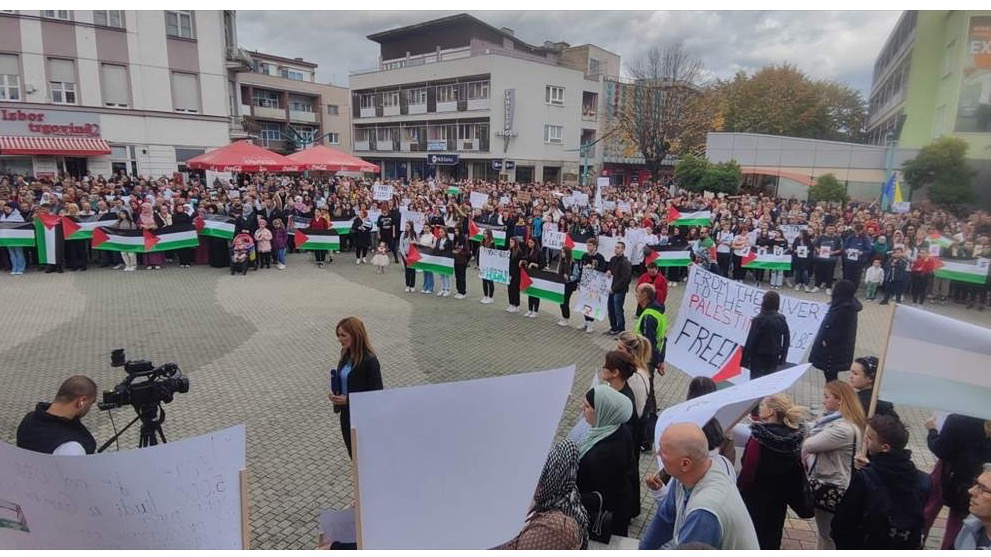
(712, 325)
(608, 205)
(181, 495)
(607, 244)
(901, 206)
(593, 295)
(504, 200)
(727, 405)
(478, 199)
(414, 496)
(373, 215)
(553, 239)
(568, 201)
(581, 199)
(381, 192)
(624, 207)
(493, 264)
(602, 181)
(636, 239)
(418, 219)
(792, 231)
(404, 202)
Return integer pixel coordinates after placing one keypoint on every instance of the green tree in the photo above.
(723, 177)
(941, 168)
(828, 188)
(690, 171)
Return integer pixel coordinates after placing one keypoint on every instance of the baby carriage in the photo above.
(242, 252)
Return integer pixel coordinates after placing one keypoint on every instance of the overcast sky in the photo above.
(831, 45)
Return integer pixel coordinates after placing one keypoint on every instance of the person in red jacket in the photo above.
(922, 275)
(653, 276)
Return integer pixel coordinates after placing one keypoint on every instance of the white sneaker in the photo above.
(363, 260)
(829, 291)
(564, 322)
(513, 309)
(487, 300)
(814, 289)
(807, 288)
(798, 287)
(447, 293)
(440, 293)
(673, 283)
(425, 291)
(459, 296)
(589, 328)
(357, 262)
(281, 266)
(130, 269)
(118, 266)
(531, 314)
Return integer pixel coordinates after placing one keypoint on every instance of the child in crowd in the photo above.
(381, 258)
(263, 242)
(280, 240)
(873, 278)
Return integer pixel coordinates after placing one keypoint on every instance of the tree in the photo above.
(828, 188)
(690, 171)
(941, 167)
(665, 80)
(698, 174)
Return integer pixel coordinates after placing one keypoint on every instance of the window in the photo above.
(116, 91)
(467, 131)
(554, 134)
(593, 66)
(416, 96)
(447, 93)
(267, 99)
(185, 92)
(294, 75)
(300, 105)
(366, 101)
(62, 81)
(108, 18)
(56, 14)
(334, 138)
(478, 90)
(554, 95)
(179, 24)
(10, 78)
(390, 98)
(333, 109)
(269, 131)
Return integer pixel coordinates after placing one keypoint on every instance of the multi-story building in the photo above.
(933, 78)
(285, 109)
(456, 97)
(104, 91)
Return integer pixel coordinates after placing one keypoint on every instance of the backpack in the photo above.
(883, 527)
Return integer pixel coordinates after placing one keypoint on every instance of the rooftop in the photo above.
(291, 61)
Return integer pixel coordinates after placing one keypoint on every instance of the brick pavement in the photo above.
(257, 350)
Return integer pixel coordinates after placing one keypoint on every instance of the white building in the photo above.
(457, 90)
(98, 92)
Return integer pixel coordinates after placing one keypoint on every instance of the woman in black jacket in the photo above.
(461, 251)
(963, 445)
(361, 233)
(768, 340)
(516, 255)
(534, 259)
(607, 456)
(357, 371)
(832, 351)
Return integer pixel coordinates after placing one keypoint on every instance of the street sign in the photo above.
(442, 160)
(496, 165)
(510, 165)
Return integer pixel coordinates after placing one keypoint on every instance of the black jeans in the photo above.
(569, 289)
(265, 256)
(320, 255)
(360, 252)
(460, 281)
(410, 275)
(920, 287)
(739, 273)
(185, 256)
(724, 260)
(514, 292)
(488, 288)
(533, 303)
(825, 270)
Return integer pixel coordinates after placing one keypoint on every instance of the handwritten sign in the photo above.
(382, 192)
(493, 264)
(478, 199)
(416, 217)
(593, 295)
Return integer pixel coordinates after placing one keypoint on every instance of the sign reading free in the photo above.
(48, 123)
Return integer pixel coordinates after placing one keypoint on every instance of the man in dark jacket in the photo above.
(857, 250)
(621, 271)
(827, 250)
(56, 427)
(388, 225)
(768, 341)
(832, 350)
(895, 276)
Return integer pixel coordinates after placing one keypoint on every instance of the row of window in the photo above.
(270, 132)
(478, 90)
(178, 23)
(273, 69)
(552, 134)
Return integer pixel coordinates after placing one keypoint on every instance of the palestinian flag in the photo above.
(975, 272)
(698, 218)
(215, 226)
(342, 227)
(475, 231)
(47, 234)
(577, 243)
(16, 234)
(80, 228)
(145, 241)
(424, 259)
(669, 256)
(309, 239)
(942, 241)
(542, 284)
(452, 190)
(767, 261)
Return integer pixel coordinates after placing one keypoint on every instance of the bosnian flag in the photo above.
(975, 272)
(670, 256)
(425, 259)
(17, 234)
(80, 228)
(542, 284)
(309, 239)
(215, 226)
(475, 231)
(698, 218)
(145, 241)
(766, 260)
(46, 229)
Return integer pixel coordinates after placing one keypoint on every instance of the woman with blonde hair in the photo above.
(771, 476)
(357, 371)
(833, 442)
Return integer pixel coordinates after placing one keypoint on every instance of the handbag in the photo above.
(804, 505)
(827, 495)
(600, 523)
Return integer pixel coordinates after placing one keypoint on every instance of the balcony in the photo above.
(362, 145)
(468, 144)
(368, 112)
(300, 116)
(236, 128)
(413, 146)
(451, 106)
(417, 109)
(269, 113)
(390, 110)
(238, 60)
(478, 104)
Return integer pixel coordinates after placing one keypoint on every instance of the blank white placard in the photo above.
(454, 465)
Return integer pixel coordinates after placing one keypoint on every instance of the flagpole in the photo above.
(880, 367)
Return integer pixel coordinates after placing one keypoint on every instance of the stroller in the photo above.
(242, 252)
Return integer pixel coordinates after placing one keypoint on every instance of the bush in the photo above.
(828, 188)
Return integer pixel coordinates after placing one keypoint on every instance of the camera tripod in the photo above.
(151, 418)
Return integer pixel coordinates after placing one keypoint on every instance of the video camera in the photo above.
(158, 387)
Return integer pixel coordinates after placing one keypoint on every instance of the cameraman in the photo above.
(56, 428)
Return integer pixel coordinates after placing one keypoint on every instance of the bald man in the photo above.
(57, 427)
(702, 504)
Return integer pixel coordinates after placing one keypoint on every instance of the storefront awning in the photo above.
(68, 146)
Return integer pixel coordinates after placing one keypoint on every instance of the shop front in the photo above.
(44, 142)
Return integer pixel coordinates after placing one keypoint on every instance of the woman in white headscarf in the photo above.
(607, 460)
(151, 221)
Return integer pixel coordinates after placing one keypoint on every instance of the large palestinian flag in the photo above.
(424, 259)
(177, 236)
(669, 256)
(975, 272)
(317, 240)
(17, 234)
(476, 229)
(215, 226)
(577, 243)
(697, 218)
(767, 260)
(47, 229)
(542, 284)
(81, 228)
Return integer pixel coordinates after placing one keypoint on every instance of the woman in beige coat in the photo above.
(831, 445)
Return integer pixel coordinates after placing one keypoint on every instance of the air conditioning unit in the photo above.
(468, 145)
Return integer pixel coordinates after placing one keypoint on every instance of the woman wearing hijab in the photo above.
(832, 351)
(557, 519)
(148, 220)
(607, 456)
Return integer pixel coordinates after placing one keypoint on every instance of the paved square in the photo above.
(257, 350)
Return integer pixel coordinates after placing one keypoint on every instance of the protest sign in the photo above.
(181, 495)
(493, 264)
(602, 182)
(712, 325)
(593, 295)
(624, 207)
(568, 201)
(433, 499)
(901, 206)
(382, 192)
(607, 244)
(478, 199)
(373, 216)
(608, 206)
(416, 217)
(792, 231)
(504, 200)
(552, 239)
(581, 199)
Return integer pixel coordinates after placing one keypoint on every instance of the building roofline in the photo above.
(596, 46)
(294, 61)
(462, 17)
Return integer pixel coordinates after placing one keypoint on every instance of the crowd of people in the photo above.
(591, 489)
